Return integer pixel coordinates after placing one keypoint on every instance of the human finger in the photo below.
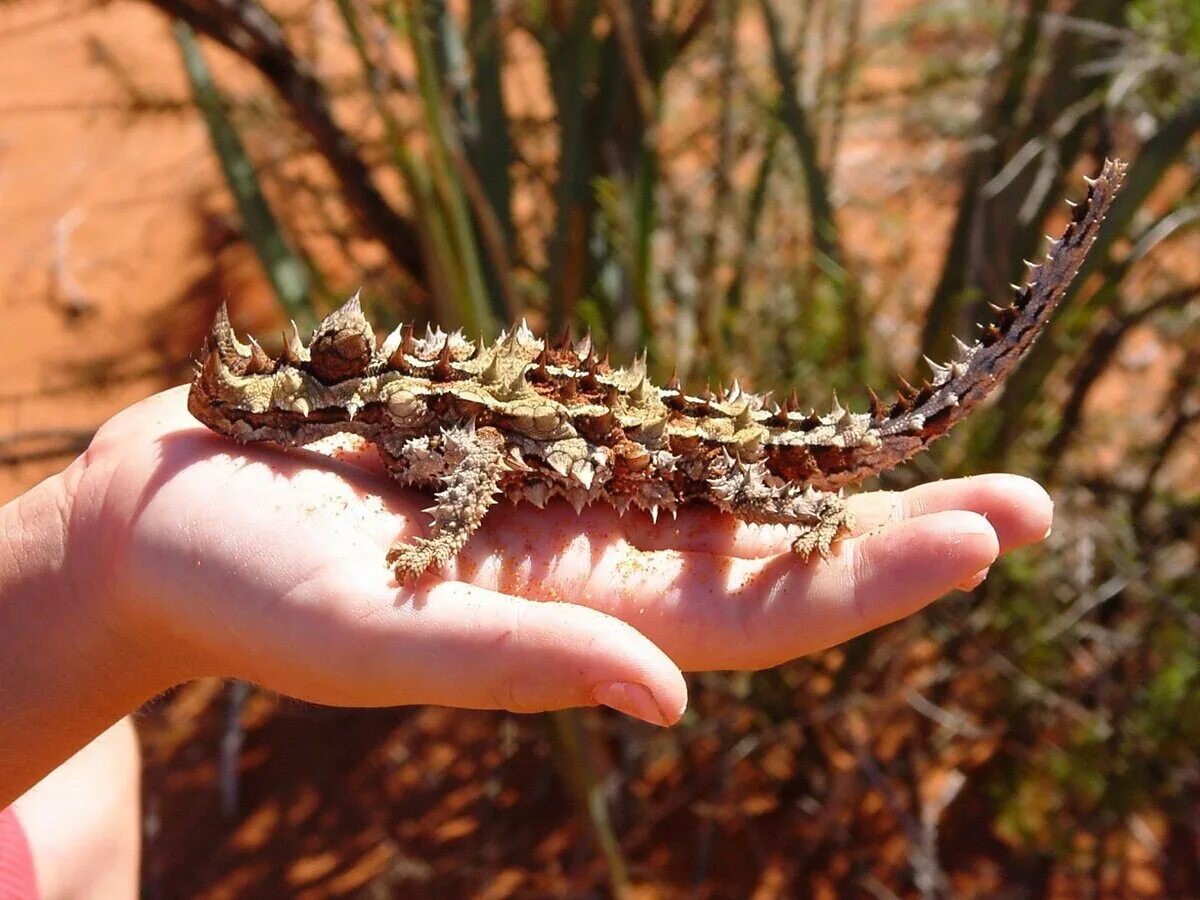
(1019, 509)
(709, 611)
(461, 645)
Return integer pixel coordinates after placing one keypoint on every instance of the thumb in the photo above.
(457, 644)
(527, 656)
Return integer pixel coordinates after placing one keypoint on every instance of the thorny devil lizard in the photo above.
(528, 419)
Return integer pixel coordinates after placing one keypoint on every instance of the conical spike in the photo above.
(524, 334)
(583, 349)
(518, 384)
(541, 371)
(259, 362)
(588, 364)
(940, 372)
(347, 317)
(491, 372)
(221, 328)
(877, 411)
(641, 362)
(405, 347)
(836, 408)
(516, 460)
(963, 349)
(641, 393)
(1010, 313)
(558, 462)
(443, 368)
(224, 340)
(584, 472)
(511, 340)
(294, 351)
(213, 371)
(744, 417)
(564, 340)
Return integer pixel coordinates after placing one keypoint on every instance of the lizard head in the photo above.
(239, 388)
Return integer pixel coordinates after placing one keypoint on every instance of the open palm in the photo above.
(270, 566)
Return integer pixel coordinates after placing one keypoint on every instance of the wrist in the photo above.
(70, 665)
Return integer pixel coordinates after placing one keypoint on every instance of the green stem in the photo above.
(287, 273)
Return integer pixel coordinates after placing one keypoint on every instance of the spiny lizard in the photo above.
(528, 419)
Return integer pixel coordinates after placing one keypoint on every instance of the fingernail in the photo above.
(975, 580)
(632, 699)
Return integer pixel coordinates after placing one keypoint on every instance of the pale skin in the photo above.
(166, 552)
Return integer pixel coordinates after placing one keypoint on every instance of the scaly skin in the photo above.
(530, 420)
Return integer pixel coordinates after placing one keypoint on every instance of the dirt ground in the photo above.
(115, 248)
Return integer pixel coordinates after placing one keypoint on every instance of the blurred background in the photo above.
(792, 192)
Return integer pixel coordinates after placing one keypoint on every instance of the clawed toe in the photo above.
(833, 521)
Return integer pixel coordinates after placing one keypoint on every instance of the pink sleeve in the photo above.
(17, 879)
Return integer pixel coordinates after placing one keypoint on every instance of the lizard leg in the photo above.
(753, 494)
(468, 465)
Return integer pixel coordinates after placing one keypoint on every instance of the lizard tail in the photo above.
(846, 447)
